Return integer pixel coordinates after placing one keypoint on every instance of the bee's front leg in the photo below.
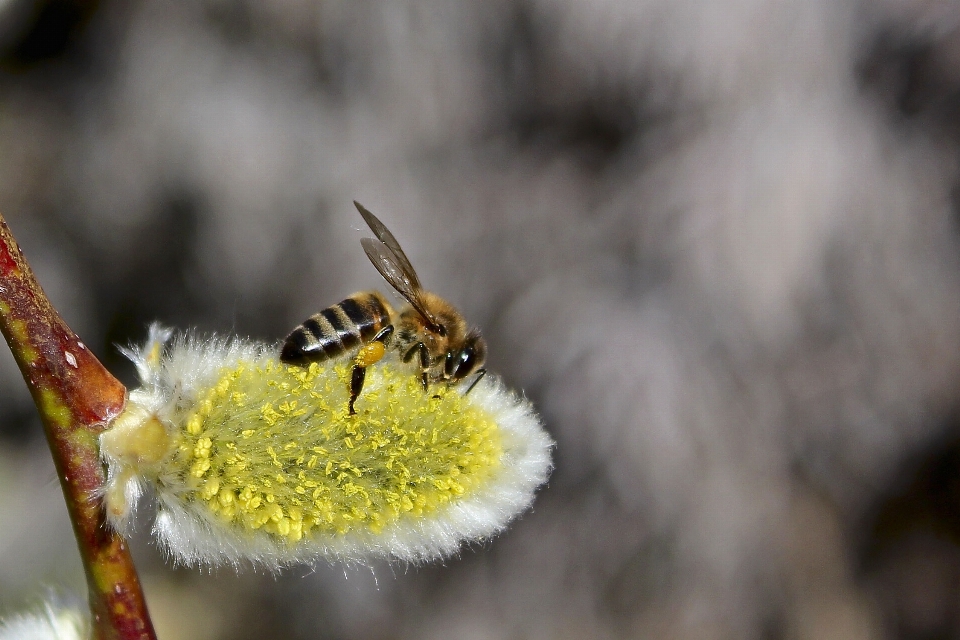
(480, 374)
(368, 354)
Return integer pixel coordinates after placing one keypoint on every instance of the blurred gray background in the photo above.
(716, 242)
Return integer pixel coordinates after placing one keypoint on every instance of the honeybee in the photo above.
(429, 328)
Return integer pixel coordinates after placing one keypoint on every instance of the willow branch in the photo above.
(77, 397)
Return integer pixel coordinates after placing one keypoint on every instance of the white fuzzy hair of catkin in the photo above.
(52, 621)
(175, 371)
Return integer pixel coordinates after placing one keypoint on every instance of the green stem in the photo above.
(77, 398)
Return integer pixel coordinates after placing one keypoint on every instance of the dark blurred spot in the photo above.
(164, 281)
(266, 313)
(19, 422)
(593, 125)
(911, 556)
(916, 77)
(955, 204)
(642, 578)
(894, 69)
(157, 283)
(595, 133)
(234, 21)
(330, 65)
(50, 30)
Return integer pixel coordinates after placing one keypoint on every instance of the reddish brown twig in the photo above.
(76, 398)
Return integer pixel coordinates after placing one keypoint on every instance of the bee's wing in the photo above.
(389, 266)
(383, 235)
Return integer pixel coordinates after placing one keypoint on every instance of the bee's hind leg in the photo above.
(368, 354)
(356, 385)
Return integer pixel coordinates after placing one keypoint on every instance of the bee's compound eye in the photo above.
(465, 363)
(468, 359)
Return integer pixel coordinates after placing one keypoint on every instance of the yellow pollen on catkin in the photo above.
(272, 448)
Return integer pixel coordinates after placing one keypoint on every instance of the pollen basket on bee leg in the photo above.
(369, 354)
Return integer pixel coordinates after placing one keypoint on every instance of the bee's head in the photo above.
(467, 359)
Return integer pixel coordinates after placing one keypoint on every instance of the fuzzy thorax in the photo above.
(253, 459)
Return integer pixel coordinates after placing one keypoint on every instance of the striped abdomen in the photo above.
(333, 331)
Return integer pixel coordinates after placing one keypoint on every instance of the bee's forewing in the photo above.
(393, 272)
(383, 235)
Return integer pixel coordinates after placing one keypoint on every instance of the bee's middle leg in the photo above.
(420, 349)
(368, 354)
